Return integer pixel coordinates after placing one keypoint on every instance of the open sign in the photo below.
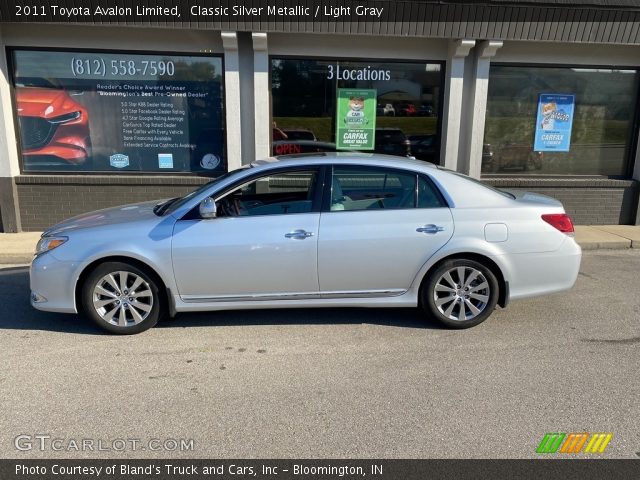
(287, 148)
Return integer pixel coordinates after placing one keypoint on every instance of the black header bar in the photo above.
(595, 21)
(187, 11)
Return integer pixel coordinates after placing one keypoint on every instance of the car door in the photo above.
(379, 227)
(262, 244)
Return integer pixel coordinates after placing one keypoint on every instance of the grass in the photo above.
(504, 130)
(498, 130)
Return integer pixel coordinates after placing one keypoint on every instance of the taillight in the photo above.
(559, 221)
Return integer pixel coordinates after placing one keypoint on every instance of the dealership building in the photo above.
(541, 95)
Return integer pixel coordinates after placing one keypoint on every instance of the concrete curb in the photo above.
(628, 232)
(608, 237)
(18, 248)
(15, 259)
(605, 246)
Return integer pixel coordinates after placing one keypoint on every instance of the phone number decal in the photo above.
(84, 67)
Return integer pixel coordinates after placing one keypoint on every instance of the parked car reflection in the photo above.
(406, 110)
(386, 110)
(299, 134)
(392, 141)
(425, 147)
(513, 156)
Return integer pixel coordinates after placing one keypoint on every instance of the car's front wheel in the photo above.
(460, 293)
(121, 298)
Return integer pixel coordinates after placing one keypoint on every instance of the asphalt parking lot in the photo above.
(330, 383)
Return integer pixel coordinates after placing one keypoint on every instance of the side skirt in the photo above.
(406, 299)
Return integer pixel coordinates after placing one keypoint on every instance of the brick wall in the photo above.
(45, 200)
(588, 201)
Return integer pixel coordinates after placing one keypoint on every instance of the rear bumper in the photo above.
(536, 274)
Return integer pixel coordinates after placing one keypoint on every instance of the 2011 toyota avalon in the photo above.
(321, 230)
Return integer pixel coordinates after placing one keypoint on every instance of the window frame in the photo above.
(321, 58)
(11, 68)
(634, 122)
(328, 182)
(194, 214)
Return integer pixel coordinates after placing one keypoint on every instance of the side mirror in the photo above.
(208, 208)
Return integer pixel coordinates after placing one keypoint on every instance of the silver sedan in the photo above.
(321, 230)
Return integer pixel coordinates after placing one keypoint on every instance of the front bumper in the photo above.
(53, 284)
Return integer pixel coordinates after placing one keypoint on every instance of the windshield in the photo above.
(174, 204)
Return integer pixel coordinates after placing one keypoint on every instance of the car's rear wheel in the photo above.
(121, 298)
(460, 293)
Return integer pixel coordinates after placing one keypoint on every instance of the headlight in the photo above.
(49, 243)
(67, 117)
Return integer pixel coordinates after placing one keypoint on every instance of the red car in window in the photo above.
(406, 110)
(54, 128)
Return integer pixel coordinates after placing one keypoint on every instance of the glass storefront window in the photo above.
(521, 106)
(406, 100)
(82, 111)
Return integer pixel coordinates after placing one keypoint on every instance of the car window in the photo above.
(175, 204)
(428, 195)
(275, 194)
(372, 189)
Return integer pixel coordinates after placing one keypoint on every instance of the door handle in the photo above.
(298, 234)
(431, 228)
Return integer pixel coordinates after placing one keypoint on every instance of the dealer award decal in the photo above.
(165, 160)
(554, 122)
(119, 160)
(210, 161)
(356, 119)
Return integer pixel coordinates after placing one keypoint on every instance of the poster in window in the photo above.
(118, 112)
(356, 119)
(554, 122)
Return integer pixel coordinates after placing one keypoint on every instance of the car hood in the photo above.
(108, 216)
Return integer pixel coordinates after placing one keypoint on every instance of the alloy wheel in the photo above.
(461, 293)
(122, 298)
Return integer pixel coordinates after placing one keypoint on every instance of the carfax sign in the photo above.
(554, 122)
(356, 119)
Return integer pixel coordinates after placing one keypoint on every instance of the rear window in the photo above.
(478, 182)
(428, 195)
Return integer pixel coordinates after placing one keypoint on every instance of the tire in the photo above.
(105, 302)
(481, 296)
